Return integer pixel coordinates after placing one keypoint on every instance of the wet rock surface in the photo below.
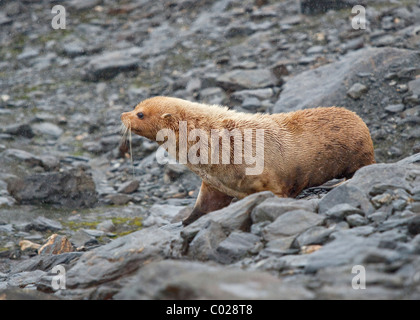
(71, 197)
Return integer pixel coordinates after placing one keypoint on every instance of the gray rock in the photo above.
(395, 108)
(26, 294)
(73, 188)
(292, 223)
(414, 226)
(357, 90)
(110, 142)
(353, 44)
(161, 40)
(287, 262)
(370, 181)
(414, 87)
(49, 162)
(107, 226)
(43, 224)
(84, 4)
(345, 250)
(13, 9)
(314, 235)
(118, 199)
(261, 94)
(315, 50)
(235, 247)
(413, 159)
(28, 53)
(319, 6)
(129, 186)
(272, 208)
(122, 257)
(48, 129)
(165, 212)
(203, 246)
(4, 20)
(304, 90)
(93, 147)
(108, 65)
(194, 84)
(247, 79)
(45, 262)
(337, 284)
(192, 280)
(386, 40)
(399, 204)
(237, 216)
(341, 211)
(279, 246)
(305, 60)
(94, 233)
(379, 216)
(22, 130)
(6, 228)
(356, 220)
(22, 155)
(251, 103)
(213, 95)
(74, 48)
(414, 134)
(24, 279)
(238, 30)
(82, 239)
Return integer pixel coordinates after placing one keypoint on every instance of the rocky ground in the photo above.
(70, 196)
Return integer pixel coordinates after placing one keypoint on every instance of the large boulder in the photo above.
(375, 186)
(108, 65)
(328, 85)
(123, 256)
(73, 188)
(193, 280)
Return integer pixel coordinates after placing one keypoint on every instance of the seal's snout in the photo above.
(123, 116)
(125, 119)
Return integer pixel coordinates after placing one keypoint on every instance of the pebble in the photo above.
(47, 128)
(341, 211)
(356, 220)
(129, 187)
(395, 108)
(43, 224)
(357, 90)
(414, 87)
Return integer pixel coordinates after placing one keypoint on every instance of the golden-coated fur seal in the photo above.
(300, 149)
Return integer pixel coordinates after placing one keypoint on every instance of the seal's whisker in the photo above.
(131, 149)
(124, 133)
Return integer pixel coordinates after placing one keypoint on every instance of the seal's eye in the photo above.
(140, 115)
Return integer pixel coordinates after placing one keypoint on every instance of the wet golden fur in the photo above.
(301, 149)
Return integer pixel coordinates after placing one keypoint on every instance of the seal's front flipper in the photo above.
(208, 200)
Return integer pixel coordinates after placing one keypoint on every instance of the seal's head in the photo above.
(150, 116)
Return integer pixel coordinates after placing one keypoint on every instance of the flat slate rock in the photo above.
(73, 188)
(328, 85)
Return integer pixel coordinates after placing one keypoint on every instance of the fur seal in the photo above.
(301, 149)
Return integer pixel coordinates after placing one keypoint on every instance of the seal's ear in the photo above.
(166, 116)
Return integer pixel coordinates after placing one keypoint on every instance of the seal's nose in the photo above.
(125, 119)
